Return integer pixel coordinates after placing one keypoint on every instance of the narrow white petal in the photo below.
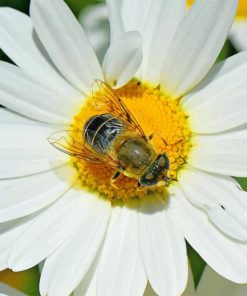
(9, 234)
(238, 34)
(49, 230)
(161, 24)
(157, 22)
(20, 42)
(135, 14)
(19, 92)
(72, 260)
(220, 197)
(163, 248)
(226, 256)
(9, 291)
(95, 22)
(116, 23)
(196, 44)
(9, 117)
(4, 260)
(87, 286)
(23, 196)
(121, 270)
(219, 102)
(224, 153)
(66, 42)
(25, 150)
(123, 59)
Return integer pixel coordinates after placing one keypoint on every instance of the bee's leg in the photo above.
(114, 178)
(150, 137)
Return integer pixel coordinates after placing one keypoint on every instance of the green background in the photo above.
(28, 281)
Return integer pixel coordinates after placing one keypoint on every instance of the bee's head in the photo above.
(156, 173)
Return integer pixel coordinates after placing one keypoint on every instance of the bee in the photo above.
(116, 139)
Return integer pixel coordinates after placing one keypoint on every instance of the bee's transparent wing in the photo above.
(105, 95)
(68, 141)
(71, 143)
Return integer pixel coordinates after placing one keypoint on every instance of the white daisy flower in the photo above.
(105, 238)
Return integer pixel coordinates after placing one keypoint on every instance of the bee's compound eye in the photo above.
(149, 176)
(163, 162)
(148, 179)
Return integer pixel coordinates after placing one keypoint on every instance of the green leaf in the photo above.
(25, 281)
(76, 6)
(197, 264)
(242, 182)
(227, 51)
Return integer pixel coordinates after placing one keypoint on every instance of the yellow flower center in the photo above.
(157, 115)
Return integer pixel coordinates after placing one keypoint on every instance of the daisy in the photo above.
(112, 240)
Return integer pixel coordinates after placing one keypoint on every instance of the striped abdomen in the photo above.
(101, 130)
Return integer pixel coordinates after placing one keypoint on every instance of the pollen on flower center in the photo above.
(156, 115)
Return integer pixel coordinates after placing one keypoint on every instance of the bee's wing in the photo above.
(71, 143)
(106, 95)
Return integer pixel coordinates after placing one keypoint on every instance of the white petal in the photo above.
(94, 20)
(7, 290)
(135, 14)
(121, 269)
(87, 286)
(161, 24)
(211, 283)
(19, 92)
(116, 23)
(196, 44)
(238, 34)
(224, 153)
(20, 42)
(66, 42)
(10, 117)
(220, 197)
(219, 102)
(9, 234)
(50, 229)
(25, 150)
(23, 196)
(123, 59)
(72, 260)
(4, 260)
(226, 256)
(163, 248)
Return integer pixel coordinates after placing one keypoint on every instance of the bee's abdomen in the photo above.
(101, 130)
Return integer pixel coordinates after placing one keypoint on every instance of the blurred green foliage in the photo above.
(227, 51)
(197, 264)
